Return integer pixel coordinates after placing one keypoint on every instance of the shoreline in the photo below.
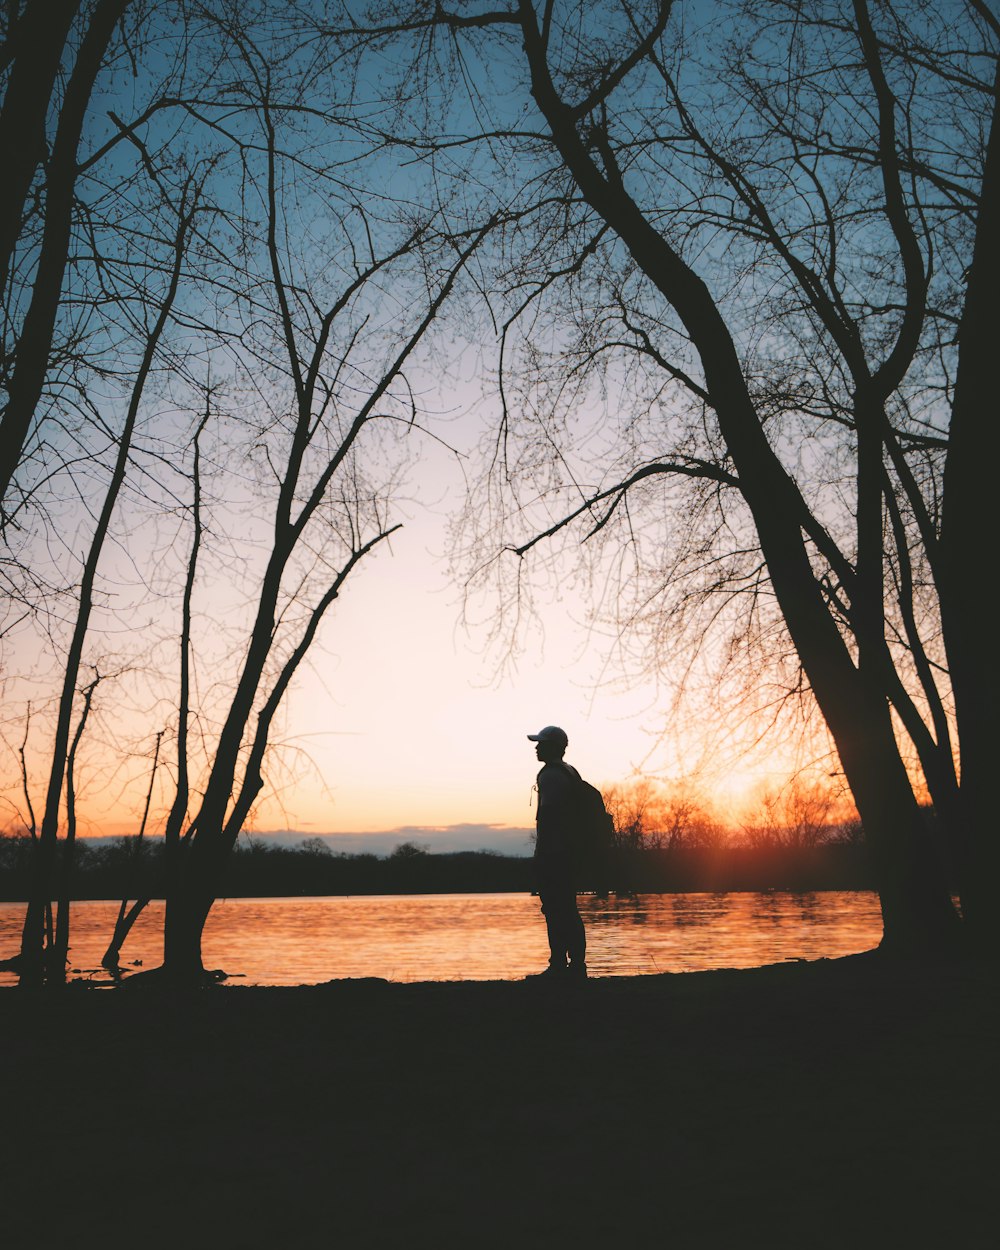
(826, 1103)
(408, 938)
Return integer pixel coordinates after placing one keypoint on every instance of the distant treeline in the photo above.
(128, 868)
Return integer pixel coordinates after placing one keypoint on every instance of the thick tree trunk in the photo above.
(186, 913)
(39, 39)
(968, 543)
(194, 879)
(35, 343)
(910, 870)
(911, 873)
(32, 956)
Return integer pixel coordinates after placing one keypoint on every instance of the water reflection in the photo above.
(480, 937)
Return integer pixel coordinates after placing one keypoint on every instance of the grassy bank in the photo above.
(834, 1104)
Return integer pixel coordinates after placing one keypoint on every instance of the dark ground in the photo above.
(842, 1103)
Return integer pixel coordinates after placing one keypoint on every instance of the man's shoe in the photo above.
(576, 972)
(554, 972)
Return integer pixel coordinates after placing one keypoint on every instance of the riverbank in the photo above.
(258, 868)
(829, 1104)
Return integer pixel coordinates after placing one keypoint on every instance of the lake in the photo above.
(478, 937)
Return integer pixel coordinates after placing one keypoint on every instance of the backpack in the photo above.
(594, 843)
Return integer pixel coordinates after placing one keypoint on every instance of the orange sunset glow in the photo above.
(498, 664)
(399, 721)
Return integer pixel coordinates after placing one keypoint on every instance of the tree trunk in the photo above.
(189, 900)
(185, 921)
(910, 873)
(35, 343)
(39, 37)
(968, 540)
(127, 916)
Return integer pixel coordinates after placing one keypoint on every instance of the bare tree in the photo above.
(799, 816)
(749, 256)
(652, 816)
(242, 416)
(322, 506)
(33, 945)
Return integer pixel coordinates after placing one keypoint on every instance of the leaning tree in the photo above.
(744, 335)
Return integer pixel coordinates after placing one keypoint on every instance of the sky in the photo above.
(401, 723)
(399, 726)
(405, 723)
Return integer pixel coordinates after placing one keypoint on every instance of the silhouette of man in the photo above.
(554, 858)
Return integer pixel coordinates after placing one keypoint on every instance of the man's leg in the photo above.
(576, 938)
(573, 935)
(563, 924)
(567, 935)
(554, 928)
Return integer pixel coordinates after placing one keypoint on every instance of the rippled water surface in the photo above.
(480, 937)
